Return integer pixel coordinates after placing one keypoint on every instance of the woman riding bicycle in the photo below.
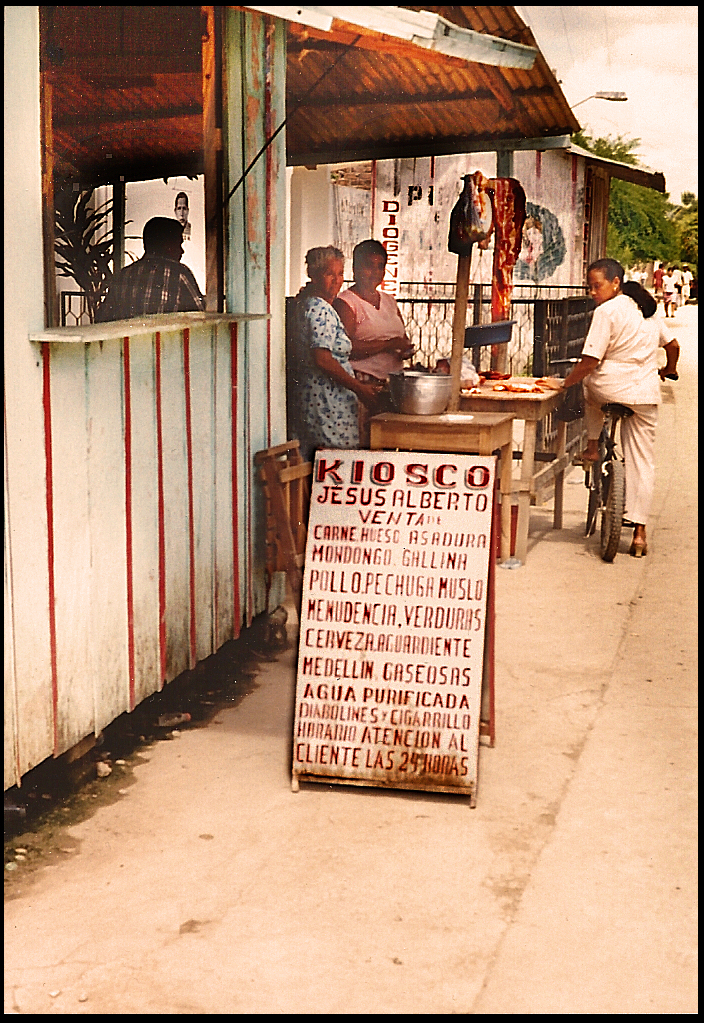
(619, 363)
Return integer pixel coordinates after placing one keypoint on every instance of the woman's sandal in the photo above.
(639, 548)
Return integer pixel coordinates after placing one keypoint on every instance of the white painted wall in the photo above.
(413, 202)
(311, 220)
(551, 185)
(92, 413)
(425, 191)
(27, 648)
(147, 199)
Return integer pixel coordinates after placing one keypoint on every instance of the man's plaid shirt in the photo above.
(151, 285)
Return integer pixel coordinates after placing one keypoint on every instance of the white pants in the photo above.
(638, 444)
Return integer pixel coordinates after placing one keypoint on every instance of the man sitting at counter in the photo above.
(158, 282)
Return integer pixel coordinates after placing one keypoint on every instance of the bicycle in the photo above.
(605, 479)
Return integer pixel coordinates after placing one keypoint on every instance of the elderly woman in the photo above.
(330, 392)
(619, 363)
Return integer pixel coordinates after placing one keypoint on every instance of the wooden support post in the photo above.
(459, 323)
(51, 297)
(213, 159)
(524, 490)
(560, 448)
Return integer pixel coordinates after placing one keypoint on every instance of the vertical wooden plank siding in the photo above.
(176, 521)
(276, 266)
(143, 469)
(161, 541)
(107, 663)
(236, 290)
(254, 188)
(73, 581)
(189, 478)
(204, 485)
(127, 390)
(30, 697)
(12, 764)
(276, 231)
(143, 449)
(269, 128)
(49, 459)
(255, 70)
(234, 471)
(212, 155)
(131, 499)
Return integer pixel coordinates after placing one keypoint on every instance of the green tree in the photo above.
(641, 226)
(686, 220)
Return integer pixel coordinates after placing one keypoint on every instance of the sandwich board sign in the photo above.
(393, 619)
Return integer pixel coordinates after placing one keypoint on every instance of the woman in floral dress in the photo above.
(329, 390)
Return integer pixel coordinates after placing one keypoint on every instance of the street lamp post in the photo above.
(612, 97)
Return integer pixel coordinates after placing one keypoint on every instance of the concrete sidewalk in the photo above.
(571, 887)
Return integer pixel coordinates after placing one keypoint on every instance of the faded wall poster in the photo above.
(393, 618)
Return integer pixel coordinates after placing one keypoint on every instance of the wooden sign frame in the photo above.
(394, 631)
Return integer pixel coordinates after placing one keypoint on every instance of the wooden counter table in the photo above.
(461, 432)
(531, 408)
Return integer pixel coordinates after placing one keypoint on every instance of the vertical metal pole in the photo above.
(459, 322)
(540, 312)
(504, 164)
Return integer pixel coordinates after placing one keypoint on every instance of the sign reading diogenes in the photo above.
(392, 622)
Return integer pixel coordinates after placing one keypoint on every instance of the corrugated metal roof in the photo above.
(389, 98)
(422, 28)
(127, 92)
(623, 171)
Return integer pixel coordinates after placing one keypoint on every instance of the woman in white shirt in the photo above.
(620, 363)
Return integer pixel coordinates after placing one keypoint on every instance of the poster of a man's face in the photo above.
(181, 213)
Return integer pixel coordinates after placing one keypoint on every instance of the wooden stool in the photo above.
(285, 478)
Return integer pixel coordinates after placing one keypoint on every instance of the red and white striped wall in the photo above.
(134, 527)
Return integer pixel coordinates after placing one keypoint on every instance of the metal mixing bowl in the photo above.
(420, 394)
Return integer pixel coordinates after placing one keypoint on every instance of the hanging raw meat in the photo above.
(471, 219)
(509, 216)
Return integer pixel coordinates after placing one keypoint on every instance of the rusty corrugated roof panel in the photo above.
(643, 176)
(127, 92)
(392, 97)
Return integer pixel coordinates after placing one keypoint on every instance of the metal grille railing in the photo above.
(427, 310)
(560, 327)
(75, 311)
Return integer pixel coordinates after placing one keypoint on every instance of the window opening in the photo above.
(123, 126)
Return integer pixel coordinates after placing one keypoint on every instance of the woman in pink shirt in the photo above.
(372, 322)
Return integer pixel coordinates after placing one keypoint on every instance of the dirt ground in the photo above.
(191, 879)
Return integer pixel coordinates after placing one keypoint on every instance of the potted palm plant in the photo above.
(84, 243)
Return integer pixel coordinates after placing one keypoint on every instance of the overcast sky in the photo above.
(650, 53)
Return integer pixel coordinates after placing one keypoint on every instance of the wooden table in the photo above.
(531, 408)
(457, 433)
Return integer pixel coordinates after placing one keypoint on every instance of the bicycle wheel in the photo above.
(614, 505)
(595, 483)
(594, 498)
